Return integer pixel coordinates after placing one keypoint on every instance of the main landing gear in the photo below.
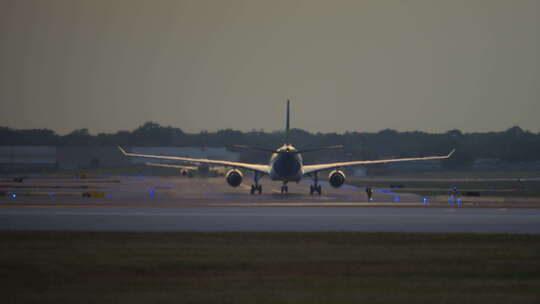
(284, 188)
(256, 187)
(315, 187)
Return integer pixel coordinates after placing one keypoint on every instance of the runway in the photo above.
(141, 203)
(272, 219)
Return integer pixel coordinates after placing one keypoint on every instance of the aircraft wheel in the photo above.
(319, 189)
(252, 191)
(311, 189)
(259, 189)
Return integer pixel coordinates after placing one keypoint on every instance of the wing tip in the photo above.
(451, 152)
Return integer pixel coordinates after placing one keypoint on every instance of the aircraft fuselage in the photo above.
(286, 164)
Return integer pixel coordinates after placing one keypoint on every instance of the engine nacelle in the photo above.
(336, 178)
(234, 177)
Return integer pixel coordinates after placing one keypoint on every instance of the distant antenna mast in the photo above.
(287, 125)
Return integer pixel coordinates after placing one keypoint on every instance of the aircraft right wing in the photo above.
(315, 168)
(265, 169)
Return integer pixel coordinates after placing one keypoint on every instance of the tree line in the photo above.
(512, 145)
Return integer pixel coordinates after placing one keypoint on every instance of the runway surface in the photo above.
(140, 203)
(272, 219)
(142, 190)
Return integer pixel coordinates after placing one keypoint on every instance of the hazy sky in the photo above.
(360, 65)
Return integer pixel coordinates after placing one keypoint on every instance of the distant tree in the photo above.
(80, 137)
(152, 134)
(512, 145)
(10, 136)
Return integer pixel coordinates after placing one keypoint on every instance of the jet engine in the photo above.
(234, 177)
(336, 178)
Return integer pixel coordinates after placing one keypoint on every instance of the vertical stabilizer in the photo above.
(287, 125)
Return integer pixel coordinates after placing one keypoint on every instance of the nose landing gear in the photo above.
(284, 188)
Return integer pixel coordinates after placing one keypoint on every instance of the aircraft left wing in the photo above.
(265, 169)
(315, 168)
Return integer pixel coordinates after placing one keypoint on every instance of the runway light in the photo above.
(52, 195)
(396, 198)
(425, 201)
(152, 192)
(13, 195)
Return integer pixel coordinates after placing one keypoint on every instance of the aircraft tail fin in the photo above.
(287, 125)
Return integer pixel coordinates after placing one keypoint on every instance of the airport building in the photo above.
(417, 165)
(89, 157)
(27, 159)
(20, 159)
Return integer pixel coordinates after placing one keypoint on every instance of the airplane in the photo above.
(285, 165)
(184, 170)
(189, 171)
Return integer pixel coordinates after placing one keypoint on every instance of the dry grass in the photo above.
(94, 267)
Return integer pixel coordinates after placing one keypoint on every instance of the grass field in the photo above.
(93, 267)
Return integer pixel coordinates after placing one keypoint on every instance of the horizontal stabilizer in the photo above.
(336, 147)
(245, 147)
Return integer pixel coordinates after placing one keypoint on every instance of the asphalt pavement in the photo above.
(487, 220)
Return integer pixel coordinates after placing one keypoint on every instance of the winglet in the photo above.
(451, 152)
(122, 150)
